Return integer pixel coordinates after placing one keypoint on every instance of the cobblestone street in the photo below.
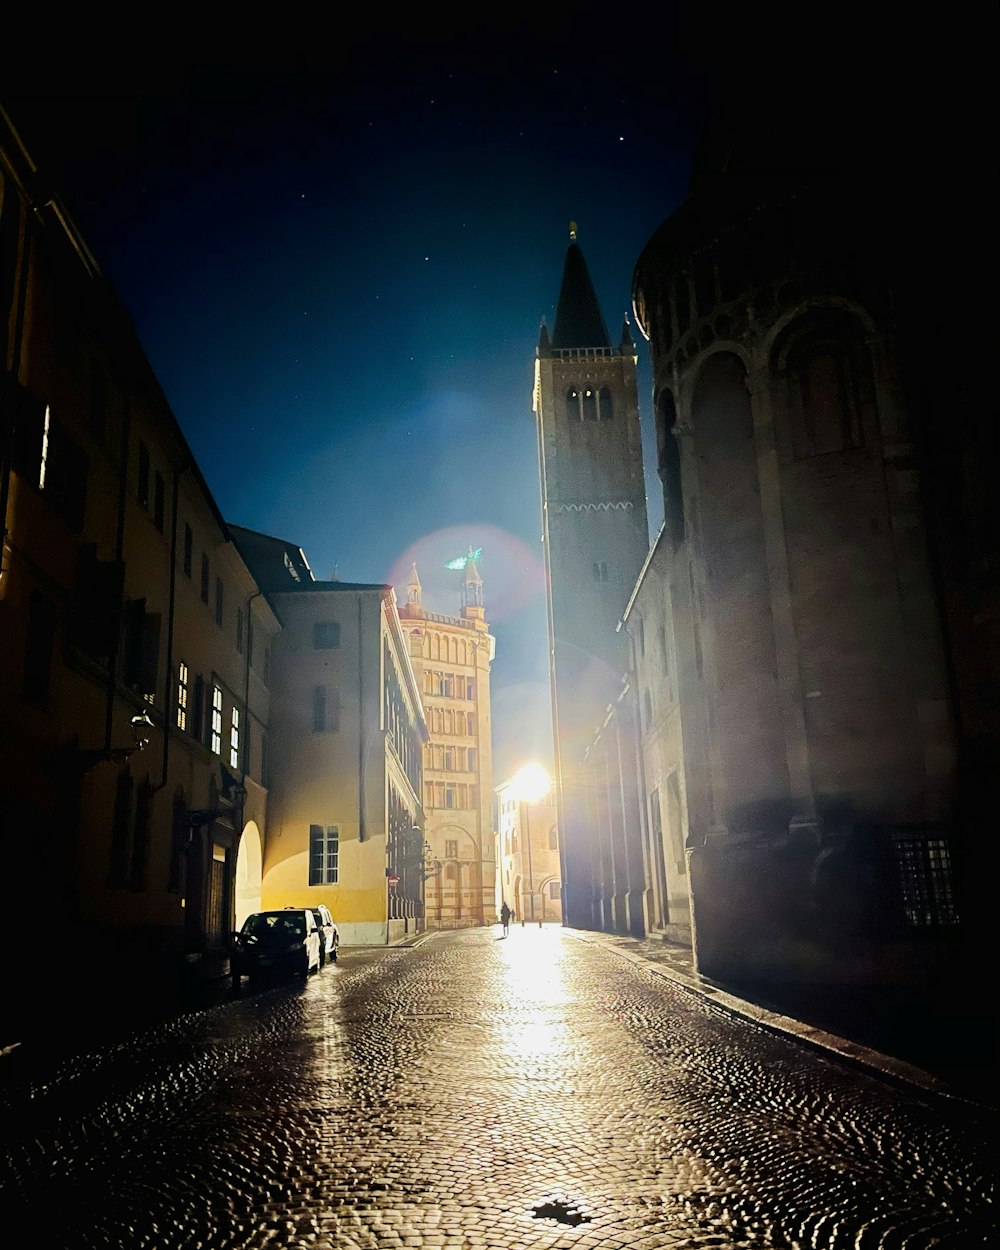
(531, 1093)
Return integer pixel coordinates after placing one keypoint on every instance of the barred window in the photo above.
(324, 852)
(326, 635)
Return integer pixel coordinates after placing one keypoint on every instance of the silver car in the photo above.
(329, 934)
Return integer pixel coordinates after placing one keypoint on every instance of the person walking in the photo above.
(505, 914)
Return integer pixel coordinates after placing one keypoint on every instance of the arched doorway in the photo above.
(249, 873)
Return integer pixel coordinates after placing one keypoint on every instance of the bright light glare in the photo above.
(530, 783)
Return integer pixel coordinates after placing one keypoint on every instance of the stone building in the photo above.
(134, 700)
(528, 867)
(451, 656)
(346, 824)
(816, 736)
(595, 539)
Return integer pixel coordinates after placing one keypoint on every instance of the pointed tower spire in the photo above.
(472, 589)
(579, 322)
(413, 587)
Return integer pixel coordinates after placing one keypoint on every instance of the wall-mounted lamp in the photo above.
(141, 727)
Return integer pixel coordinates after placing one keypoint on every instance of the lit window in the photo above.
(216, 719)
(182, 695)
(234, 739)
(324, 854)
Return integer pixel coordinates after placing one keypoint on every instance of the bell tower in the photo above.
(595, 537)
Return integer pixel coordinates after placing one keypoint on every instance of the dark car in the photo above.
(276, 943)
(329, 934)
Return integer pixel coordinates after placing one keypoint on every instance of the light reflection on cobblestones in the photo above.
(536, 1093)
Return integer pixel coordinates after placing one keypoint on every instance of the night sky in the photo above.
(338, 268)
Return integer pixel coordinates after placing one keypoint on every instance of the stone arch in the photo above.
(824, 378)
(249, 873)
(551, 909)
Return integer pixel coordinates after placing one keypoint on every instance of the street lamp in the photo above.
(141, 727)
(530, 784)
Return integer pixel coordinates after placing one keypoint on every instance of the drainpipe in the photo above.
(17, 344)
(246, 682)
(641, 771)
(168, 681)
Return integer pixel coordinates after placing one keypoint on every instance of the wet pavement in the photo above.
(548, 1091)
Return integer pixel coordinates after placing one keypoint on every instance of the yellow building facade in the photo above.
(345, 824)
(451, 656)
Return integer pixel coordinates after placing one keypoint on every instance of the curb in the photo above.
(852, 1053)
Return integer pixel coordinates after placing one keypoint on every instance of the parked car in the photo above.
(276, 943)
(329, 934)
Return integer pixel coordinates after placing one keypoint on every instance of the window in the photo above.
(38, 651)
(204, 579)
(451, 848)
(140, 837)
(590, 404)
(159, 502)
(219, 593)
(324, 851)
(143, 483)
(553, 839)
(234, 739)
(573, 404)
(216, 719)
(326, 635)
(604, 403)
(554, 891)
(471, 757)
(188, 550)
(449, 796)
(182, 695)
(470, 687)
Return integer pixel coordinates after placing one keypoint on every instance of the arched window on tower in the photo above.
(828, 371)
(604, 403)
(573, 404)
(590, 404)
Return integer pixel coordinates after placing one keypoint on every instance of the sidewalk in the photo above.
(943, 1046)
